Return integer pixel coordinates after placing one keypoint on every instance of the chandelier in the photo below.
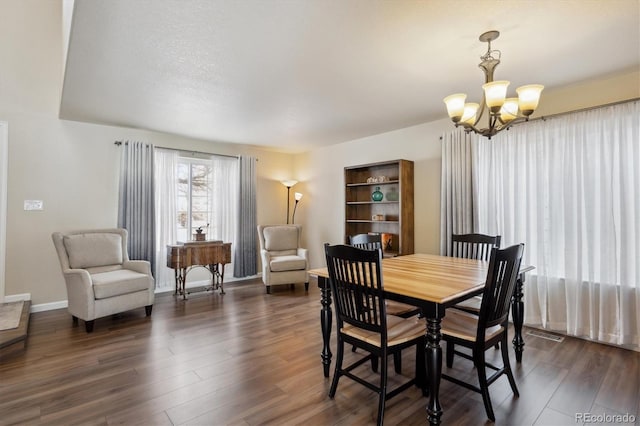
(503, 111)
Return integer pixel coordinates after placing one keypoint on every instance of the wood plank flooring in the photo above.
(249, 358)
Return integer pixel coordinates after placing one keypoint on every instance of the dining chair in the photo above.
(374, 242)
(355, 278)
(488, 328)
(473, 246)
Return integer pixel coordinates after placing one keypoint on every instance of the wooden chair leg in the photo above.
(88, 326)
(397, 362)
(421, 369)
(479, 362)
(450, 350)
(383, 392)
(507, 367)
(148, 309)
(338, 370)
(268, 289)
(306, 286)
(374, 364)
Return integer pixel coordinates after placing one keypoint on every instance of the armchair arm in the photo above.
(303, 252)
(266, 258)
(79, 293)
(141, 266)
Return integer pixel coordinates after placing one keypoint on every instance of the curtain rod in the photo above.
(558, 114)
(544, 117)
(187, 150)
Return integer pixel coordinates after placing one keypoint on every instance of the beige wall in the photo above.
(73, 167)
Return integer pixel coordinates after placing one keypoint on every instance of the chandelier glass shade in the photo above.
(502, 111)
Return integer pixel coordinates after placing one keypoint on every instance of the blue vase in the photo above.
(377, 195)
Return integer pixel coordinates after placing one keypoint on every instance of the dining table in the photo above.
(433, 283)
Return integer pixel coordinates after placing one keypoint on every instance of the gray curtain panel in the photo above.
(457, 212)
(245, 257)
(136, 207)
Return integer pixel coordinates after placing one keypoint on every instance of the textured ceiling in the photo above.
(298, 74)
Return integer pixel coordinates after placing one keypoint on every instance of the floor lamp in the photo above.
(298, 197)
(288, 184)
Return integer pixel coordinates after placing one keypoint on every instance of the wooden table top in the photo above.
(433, 278)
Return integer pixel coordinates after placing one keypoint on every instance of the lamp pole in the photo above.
(288, 202)
(288, 184)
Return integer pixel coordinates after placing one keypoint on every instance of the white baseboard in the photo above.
(36, 308)
(61, 304)
(17, 297)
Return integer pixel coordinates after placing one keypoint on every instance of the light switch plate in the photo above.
(33, 204)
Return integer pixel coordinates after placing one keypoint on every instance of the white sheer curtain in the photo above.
(223, 202)
(456, 194)
(569, 188)
(166, 166)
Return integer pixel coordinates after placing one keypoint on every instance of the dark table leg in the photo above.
(517, 312)
(326, 316)
(181, 278)
(217, 276)
(221, 276)
(434, 364)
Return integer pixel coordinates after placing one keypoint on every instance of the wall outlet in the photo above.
(33, 205)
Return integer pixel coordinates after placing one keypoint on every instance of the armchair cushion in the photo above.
(90, 250)
(287, 263)
(280, 238)
(116, 283)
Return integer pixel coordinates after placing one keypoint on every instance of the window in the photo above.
(193, 199)
(193, 192)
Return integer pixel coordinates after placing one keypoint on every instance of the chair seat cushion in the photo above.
(472, 304)
(116, 283)
(399, 308)
(287, 263)
(464, 325)
(399, 330)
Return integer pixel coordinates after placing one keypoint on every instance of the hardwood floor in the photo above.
(250, 358)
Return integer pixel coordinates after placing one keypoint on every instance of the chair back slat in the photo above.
(356, 285)
(473, 246)
(366, 241)
(504, 266)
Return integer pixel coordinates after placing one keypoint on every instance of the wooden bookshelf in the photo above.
(393, 214)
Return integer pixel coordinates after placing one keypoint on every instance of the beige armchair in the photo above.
(100, 278)
(283, 260)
